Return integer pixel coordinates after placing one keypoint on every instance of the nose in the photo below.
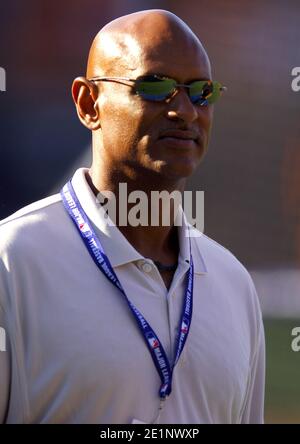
(181, 108)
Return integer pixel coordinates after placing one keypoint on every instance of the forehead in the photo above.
(181, 61)
(174, 55)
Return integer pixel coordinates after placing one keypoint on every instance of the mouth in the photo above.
(180, 135)
(180, 140)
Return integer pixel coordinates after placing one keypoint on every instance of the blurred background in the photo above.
(251, 175)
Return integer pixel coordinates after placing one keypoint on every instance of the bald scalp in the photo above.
(122, 44)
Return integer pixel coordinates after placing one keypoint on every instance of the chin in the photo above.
(183, 167)
(179, 170)
(175, 164)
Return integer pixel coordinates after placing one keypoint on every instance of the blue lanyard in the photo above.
(98, 255)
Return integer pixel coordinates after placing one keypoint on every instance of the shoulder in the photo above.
(227, 277)
(225, 271)
(30, 225)
(215, 256)
(33, 208)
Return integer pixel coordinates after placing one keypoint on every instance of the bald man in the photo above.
(113, 322)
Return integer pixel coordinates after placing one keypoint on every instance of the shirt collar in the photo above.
(115, 244)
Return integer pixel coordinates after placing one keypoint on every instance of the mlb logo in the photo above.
(184, 327)
(83, 227)
(153, 342)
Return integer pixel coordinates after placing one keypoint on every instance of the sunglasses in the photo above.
(156, 88)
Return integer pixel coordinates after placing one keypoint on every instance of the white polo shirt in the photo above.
(74, 353)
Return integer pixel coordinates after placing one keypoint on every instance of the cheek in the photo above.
(119, 123)
(128, 122)
(209, 117)
(205, 120)
(129, 125)
(206, 116)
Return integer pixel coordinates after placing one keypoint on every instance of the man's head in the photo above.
(129, 133)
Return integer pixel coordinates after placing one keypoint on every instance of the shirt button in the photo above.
(146, 267)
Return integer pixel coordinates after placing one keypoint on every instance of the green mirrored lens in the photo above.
(156, 89)
(203, 90)
(215, 92)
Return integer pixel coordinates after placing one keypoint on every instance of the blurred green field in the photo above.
(282, 403)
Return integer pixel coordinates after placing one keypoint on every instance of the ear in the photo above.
(85, 94)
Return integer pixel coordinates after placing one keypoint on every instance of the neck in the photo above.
(159, 242)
